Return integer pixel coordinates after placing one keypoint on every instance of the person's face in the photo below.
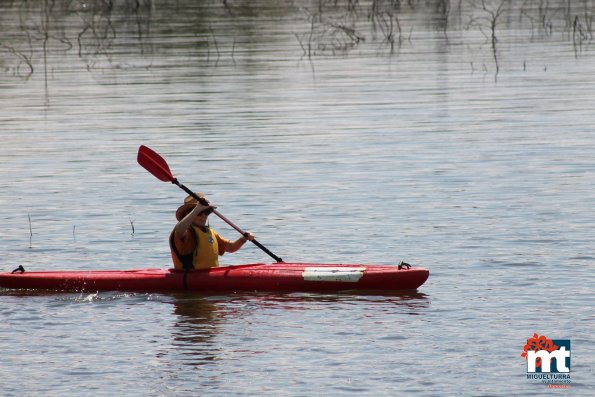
(201, 218)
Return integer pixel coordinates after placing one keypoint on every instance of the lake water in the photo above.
(362, 132)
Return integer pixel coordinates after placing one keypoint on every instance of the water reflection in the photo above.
(199, 320)
(97, 35)
(195, 329)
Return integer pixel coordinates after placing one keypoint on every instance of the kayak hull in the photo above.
(288, 277)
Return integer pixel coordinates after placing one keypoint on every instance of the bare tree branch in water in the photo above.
(23, 59)
(49, 27)
(491, 20)
(97, 34)
(336, 34)
(216, 45)
(388, 30)
(385, 17)
(581, 33)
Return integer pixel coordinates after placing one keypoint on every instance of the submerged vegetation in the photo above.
(97, 31)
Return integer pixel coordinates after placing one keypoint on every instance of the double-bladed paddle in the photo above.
(156, 165)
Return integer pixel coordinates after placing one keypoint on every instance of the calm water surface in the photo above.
(333, 136)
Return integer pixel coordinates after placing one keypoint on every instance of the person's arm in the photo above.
(182, 226)
(236, 245)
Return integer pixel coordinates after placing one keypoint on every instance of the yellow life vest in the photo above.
(205, 254)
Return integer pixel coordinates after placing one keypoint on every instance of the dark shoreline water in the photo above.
(123, 35)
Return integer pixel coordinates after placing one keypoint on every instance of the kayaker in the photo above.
(193, 244)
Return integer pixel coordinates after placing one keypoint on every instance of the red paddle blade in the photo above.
(154, 163)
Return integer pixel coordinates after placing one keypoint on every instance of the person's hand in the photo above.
(248, 236)
(204, 200)
(199, 209)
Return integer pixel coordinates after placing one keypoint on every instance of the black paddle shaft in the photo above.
(203, 201)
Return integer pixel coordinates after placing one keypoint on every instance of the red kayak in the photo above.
(286, 277)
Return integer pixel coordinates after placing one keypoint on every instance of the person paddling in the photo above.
(193, 244)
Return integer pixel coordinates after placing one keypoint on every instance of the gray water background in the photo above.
(359, 132)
